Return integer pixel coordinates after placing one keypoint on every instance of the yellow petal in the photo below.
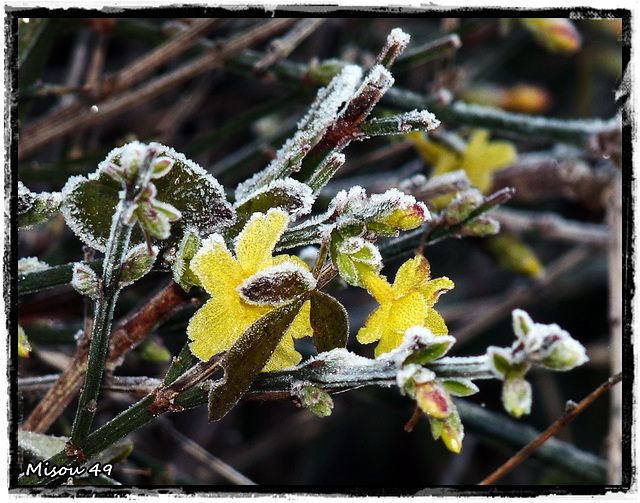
(378, 286)
(301, 326)
(435, 323)
(257, 240)
(284, 356)
(482, 158)
(374, 326)
(406, 312)
(411, 275)
(218, 324)
(434, 288)
(215, 267)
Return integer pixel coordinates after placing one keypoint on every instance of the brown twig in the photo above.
(551, 226)
(60, 124)
(569, 415)
(280, 48)
(128, 334)
(543, 178)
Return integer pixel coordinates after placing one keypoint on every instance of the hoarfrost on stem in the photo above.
(320, 116)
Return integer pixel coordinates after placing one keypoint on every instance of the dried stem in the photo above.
(280, 48)
(551, 226)
(570, 414)
(520, 296)
(56, 126)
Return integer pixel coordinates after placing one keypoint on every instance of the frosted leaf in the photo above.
(89, 203)
(186, 250)
(321, 114)
(26, 198)
(291, 196)
(35, 208)
(31, 264)
(460, 387)
(277, 284)
(330, 322)
(389, 212)
(419, 345)
(40, 445)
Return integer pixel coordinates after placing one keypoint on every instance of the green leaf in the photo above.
(431, 352)
(329, 321)
(89, 203)
(35, 208)
(248, 356)
(39, 445)
(182, 273)
(179, 365)
(460, 387)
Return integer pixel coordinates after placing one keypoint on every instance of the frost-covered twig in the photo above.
(576, 131)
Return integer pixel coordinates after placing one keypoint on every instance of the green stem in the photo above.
(334, 375)
(117, 248)
(43, 279)
(99, 347)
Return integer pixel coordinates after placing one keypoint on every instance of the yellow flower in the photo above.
(479, 160)
(224, 318)
(407, 303)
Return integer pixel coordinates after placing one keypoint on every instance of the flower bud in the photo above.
(136, 264)
(24, 348)
(433, 399)
(313, 398)
(556, 34)
(85, 280)
(516, 394)
(565, 354)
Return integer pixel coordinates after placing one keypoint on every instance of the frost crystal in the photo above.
(30, 264)
(277, 284)
(413, 372)
(399, 37)
(296, 198)
(320, 116)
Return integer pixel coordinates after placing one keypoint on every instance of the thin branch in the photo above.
(570, 414)
(280, 48)
(126, 336)
(42, 133)
(551, 226)
(196, 451)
